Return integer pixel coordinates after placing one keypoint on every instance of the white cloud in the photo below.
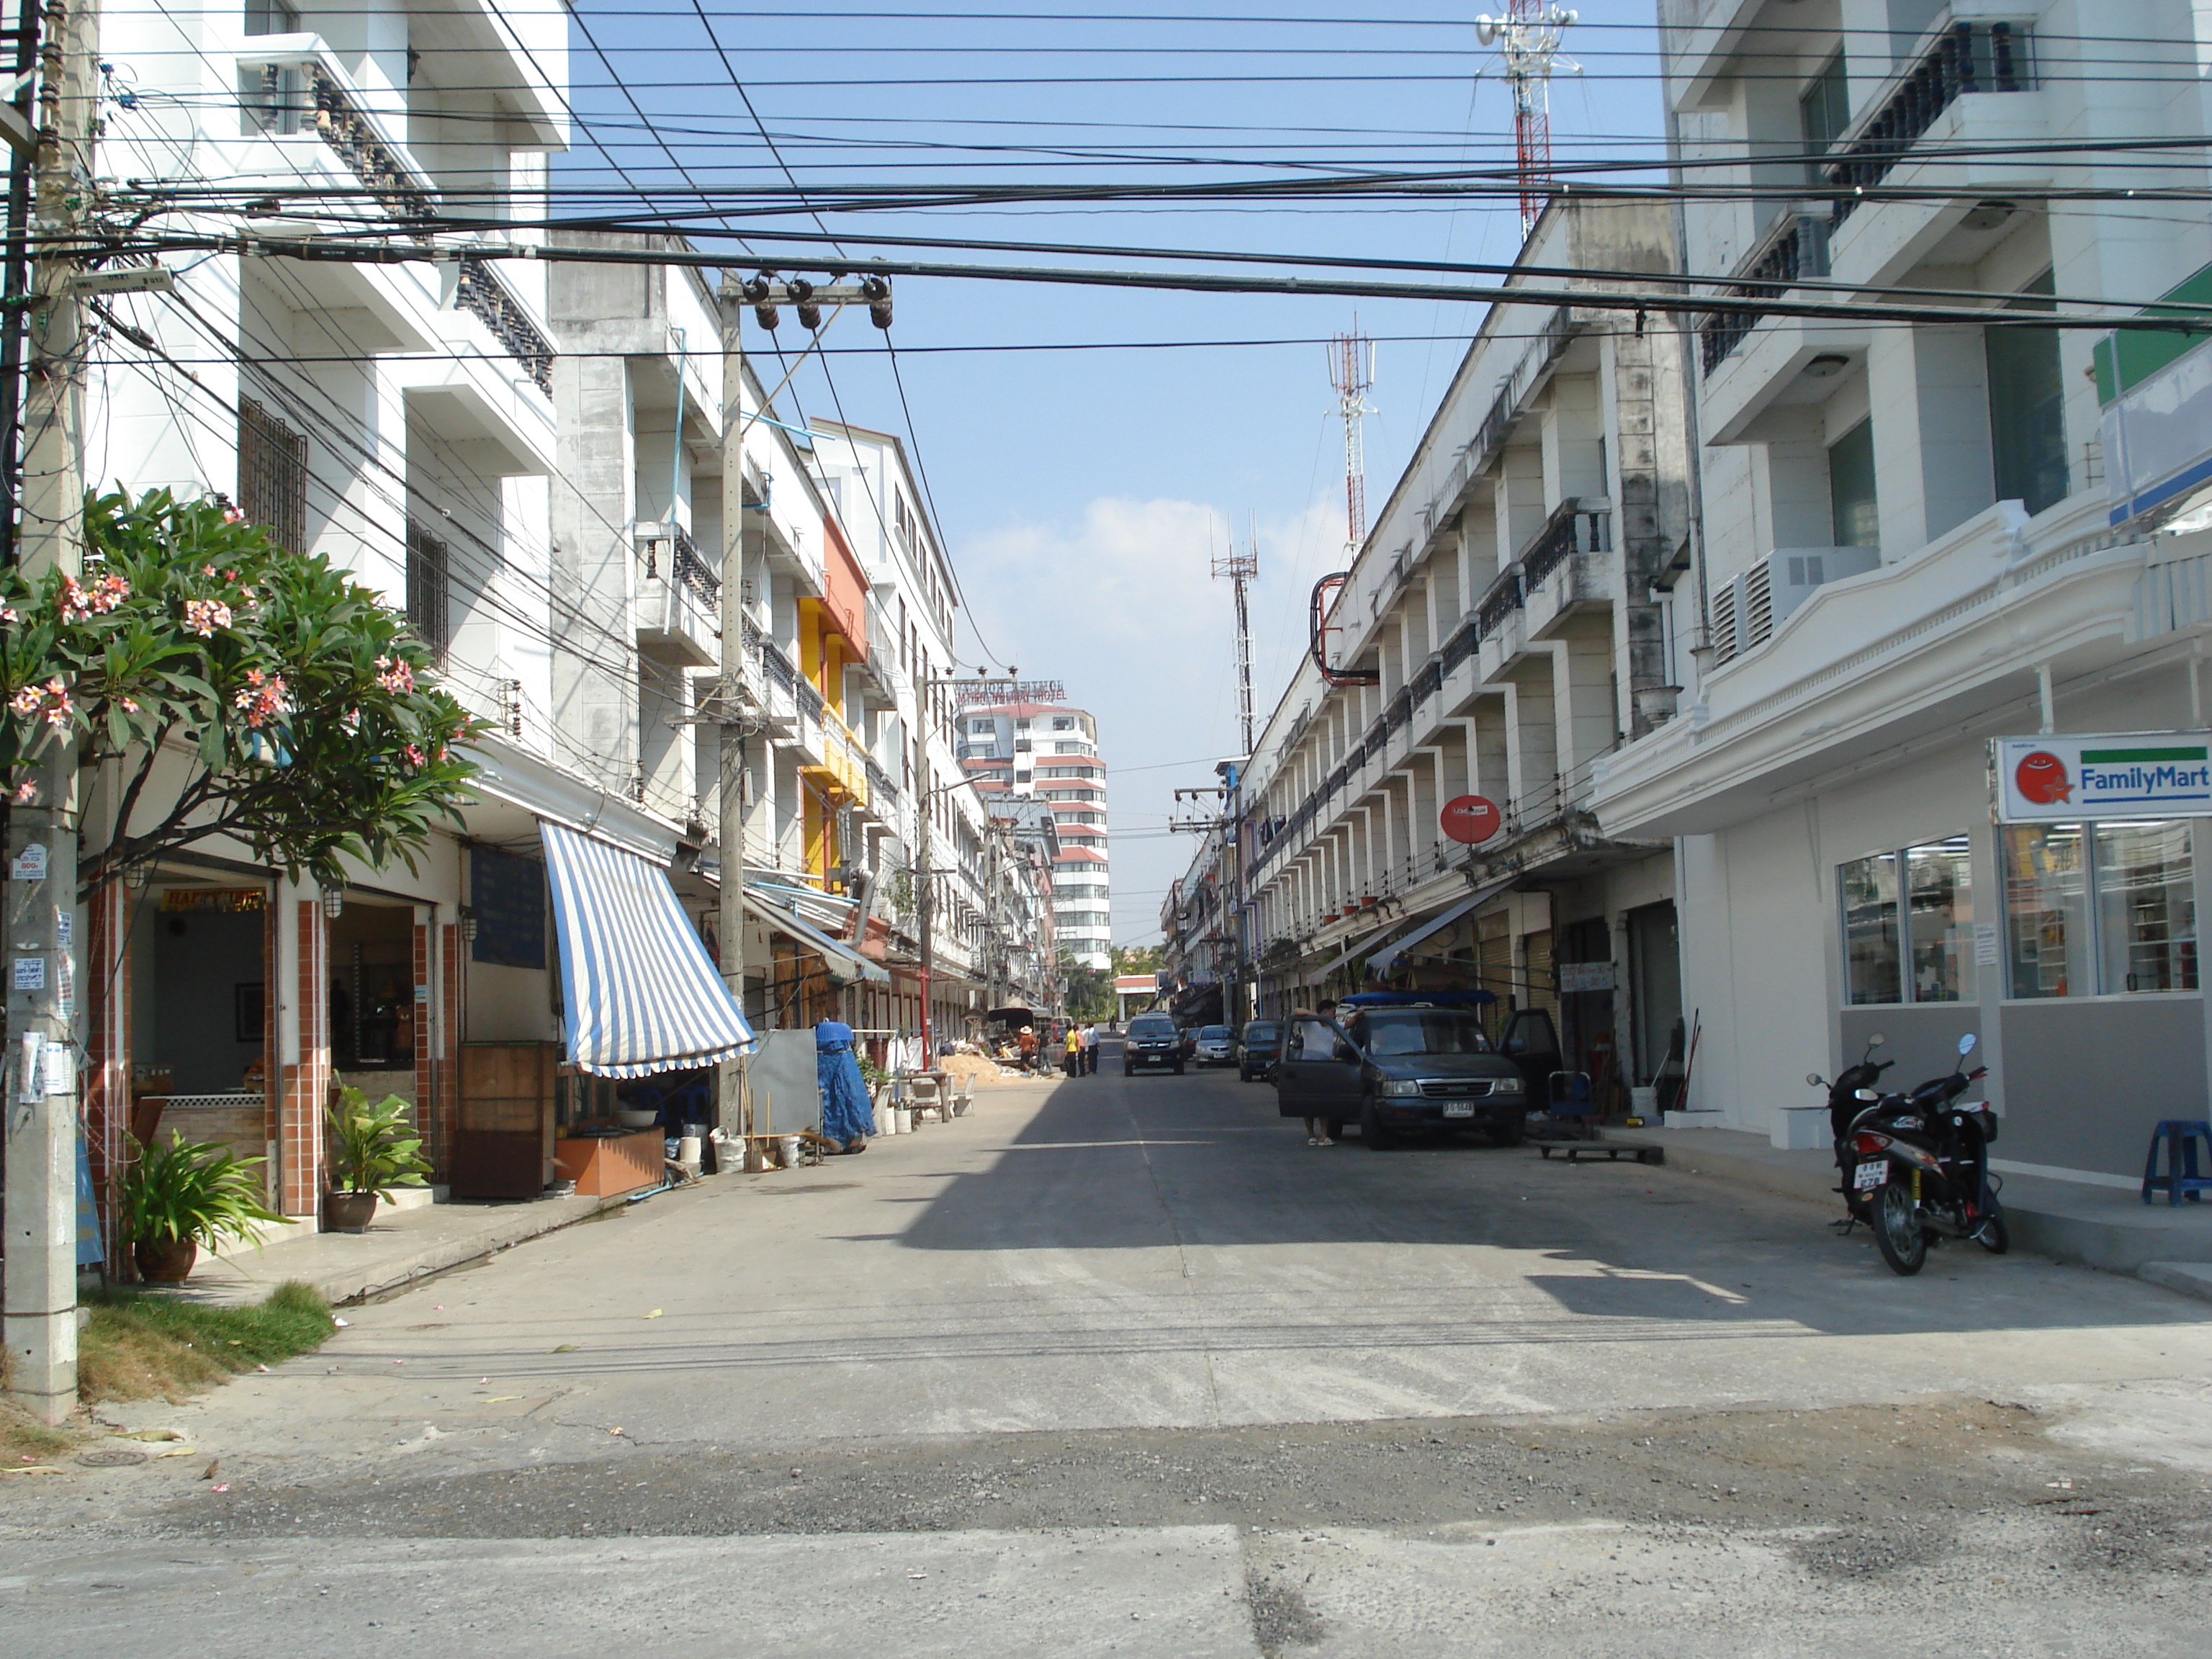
(1122, 607)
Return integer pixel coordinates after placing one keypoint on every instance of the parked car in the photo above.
(1153, 1040)
(1216, 1045)
(1401, 1064)
(1256, 1047)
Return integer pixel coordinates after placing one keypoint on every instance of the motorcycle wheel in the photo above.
(1897, 1231)
(1994, 1237)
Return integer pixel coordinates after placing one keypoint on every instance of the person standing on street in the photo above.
(1090, 1050)
(1028, 1044)
(1074, 1050)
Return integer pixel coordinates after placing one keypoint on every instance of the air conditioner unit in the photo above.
(1750, 605)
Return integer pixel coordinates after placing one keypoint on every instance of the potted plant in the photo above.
(187, 1193)
(374, 1148)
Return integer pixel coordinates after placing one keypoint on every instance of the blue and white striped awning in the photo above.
(641, 993)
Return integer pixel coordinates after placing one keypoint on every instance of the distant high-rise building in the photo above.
(1021, 739)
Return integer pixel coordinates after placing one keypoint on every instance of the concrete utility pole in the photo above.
(38, 1301)
(729, 764)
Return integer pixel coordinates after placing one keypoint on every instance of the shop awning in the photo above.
(642, 993)
(1365, 943)
(1385, 961)
(846, 965)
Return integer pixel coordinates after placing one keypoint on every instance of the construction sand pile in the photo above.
(974, 1065)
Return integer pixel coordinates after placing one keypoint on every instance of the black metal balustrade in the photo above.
(1795, 250)
(340, 123)
(1500, 602)
(1965, 58)
(483, 296)
(1567, 532)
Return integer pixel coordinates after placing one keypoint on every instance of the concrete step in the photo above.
(2108, 1227)
(2190, 1277)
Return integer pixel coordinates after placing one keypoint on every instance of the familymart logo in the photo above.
(2164, 774)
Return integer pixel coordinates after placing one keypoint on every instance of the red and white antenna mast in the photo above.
(1527, 37)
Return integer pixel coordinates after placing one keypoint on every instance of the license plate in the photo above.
(1870, 1176)
(1459, 1109)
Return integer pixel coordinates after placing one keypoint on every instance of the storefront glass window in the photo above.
(2047, 909)
(1870, 944)
(2146, 913)
(1940, 920)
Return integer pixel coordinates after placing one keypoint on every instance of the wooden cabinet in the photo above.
(503, 1139)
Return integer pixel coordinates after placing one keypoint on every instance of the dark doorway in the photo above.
(1655, 969)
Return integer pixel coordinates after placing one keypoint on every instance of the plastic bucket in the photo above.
(787, 1151)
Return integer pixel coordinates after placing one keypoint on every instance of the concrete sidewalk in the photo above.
(400, 1246)
(2107, 1227)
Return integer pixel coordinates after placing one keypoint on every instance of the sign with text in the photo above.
(1470, 819)
(2142, 775)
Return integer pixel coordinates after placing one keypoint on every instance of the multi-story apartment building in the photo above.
(1920, 537)
(1025, 741)
(532, 457)
(1500, 633)
(986, 920)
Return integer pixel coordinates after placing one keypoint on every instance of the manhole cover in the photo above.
(812, 1187)
(110, 1457)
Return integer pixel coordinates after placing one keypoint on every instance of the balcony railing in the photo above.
(1965, 58)
(669, 553)
(485, 297)
(1500, 603)
(1795, 250)
(1570, 530)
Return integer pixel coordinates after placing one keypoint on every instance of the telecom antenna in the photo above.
(1527, 37)
(1351, 372)
(1241, 569)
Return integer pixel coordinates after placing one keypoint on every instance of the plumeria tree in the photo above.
(225, 688)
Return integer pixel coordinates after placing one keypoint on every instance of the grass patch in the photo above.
(141, 1345)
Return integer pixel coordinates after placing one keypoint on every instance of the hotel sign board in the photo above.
(2111, 779)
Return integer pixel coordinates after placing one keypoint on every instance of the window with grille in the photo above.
(272, 476)
(429, 580)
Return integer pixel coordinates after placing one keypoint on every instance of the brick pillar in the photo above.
(108, 1054)
(303, 969)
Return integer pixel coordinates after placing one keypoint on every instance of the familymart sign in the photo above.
(2144, 775)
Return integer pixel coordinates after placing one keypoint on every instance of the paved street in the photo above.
(1121, 1365)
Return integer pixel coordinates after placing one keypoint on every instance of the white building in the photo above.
(1024, 741)
(1921, 538)
(1499, 635)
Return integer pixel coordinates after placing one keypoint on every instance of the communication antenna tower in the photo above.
(1241, 569)
(1527, 37)
(1351, 372)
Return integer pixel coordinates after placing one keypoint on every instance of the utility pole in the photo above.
(38, 1298)
(925, 875)
(735, 1099)
(1240, 569)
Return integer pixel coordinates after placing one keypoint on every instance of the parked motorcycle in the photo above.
(1922, 1166)
(1845, 1106)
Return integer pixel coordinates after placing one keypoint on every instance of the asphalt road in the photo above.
(1122, 1366)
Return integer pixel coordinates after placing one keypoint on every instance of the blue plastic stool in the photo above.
(2179, 1136)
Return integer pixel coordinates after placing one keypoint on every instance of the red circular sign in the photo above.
(1471, 819)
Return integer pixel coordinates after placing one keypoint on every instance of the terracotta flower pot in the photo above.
(164, 1260)
(349, 1212)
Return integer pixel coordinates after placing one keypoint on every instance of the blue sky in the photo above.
(1080, 491)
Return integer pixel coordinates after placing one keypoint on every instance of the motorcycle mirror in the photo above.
(1876, 1041)
(1867, 1094)
(1815, 1079)
(1966, 1044)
